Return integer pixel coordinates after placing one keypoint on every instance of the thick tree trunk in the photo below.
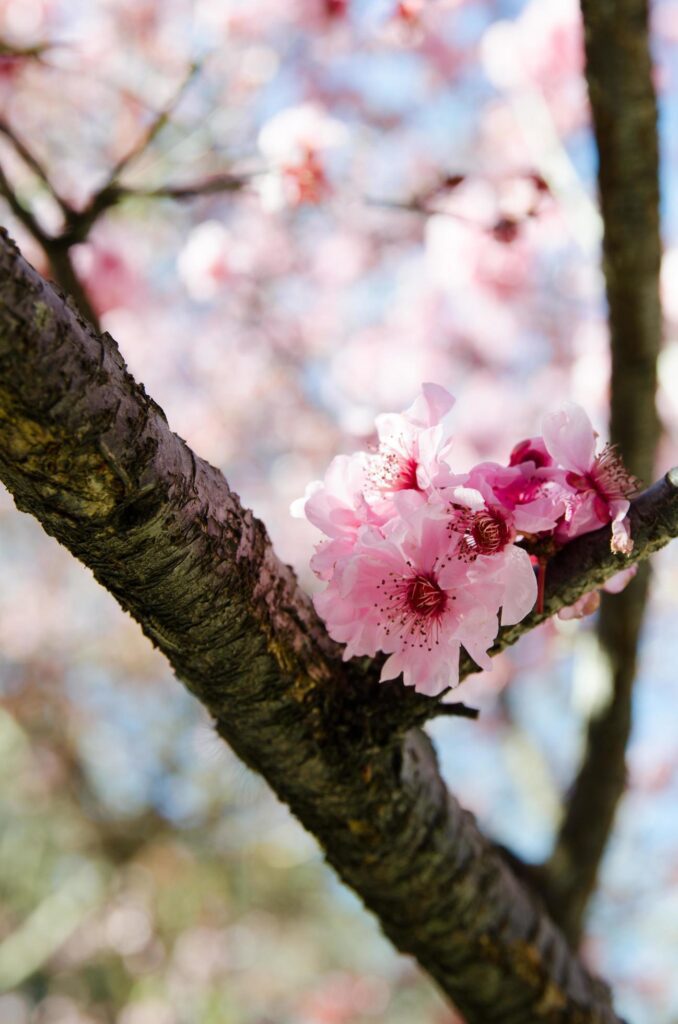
(85, 450)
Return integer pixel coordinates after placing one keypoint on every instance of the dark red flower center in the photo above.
(483, 533)
(413, 605)
(394, 470)
(490, 532)
(424, 597)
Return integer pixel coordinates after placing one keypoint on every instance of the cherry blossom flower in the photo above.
(209, 260)
(415, 597)
(532, 497)
(601, 485)
(412, 445)
(359, 489)
(485, 533)
(409, 597)
(293, 143)
(337, 506)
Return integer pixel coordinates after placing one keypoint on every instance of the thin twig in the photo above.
(457, 710)
(22, 212)
(153, 130)
(31, 161)
(55, 248)
(79, 223)
(213, 185)
(418, 207)
(10, 51)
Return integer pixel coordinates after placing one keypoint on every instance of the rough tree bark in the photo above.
(85, 450)
(623, 102)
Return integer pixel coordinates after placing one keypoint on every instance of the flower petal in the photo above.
(570, 438)
(521, 586)
(430, 406)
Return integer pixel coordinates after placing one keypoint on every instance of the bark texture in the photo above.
(623, 102)
(86, 451)
(624, 107)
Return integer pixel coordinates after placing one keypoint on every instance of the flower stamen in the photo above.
(610, 477)
(483, 533)
(414, 606)
(393, 470)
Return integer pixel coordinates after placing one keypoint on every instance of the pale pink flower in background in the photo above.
(540, 51)
(491, 268)
(109, 266)
(378, 363)
(590, 602)
(294, 143)
(587, 604)
(209, 259)
(601, 486)
(620, 580)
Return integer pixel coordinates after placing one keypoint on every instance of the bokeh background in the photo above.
(413, 199)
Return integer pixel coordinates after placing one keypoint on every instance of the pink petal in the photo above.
(298, 506)
(587, 604)
(538, 516)
(392, 668)
(620, 580)
(477, 633)
(429, 407)
(570, 438)
(621, 542)
(521, 586)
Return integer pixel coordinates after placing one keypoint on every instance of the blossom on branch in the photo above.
(420, 560)
(600, 483)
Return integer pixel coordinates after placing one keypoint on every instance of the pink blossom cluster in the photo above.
(421, 561)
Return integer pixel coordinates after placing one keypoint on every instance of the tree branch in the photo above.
(22, 213)
(79, 223)
(12, 51)
(588, 561)
(212, 185)
(31, 161)
(621, 90)
(55, 248)
(85, 450)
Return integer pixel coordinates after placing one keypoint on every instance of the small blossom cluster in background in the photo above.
(421, 561)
